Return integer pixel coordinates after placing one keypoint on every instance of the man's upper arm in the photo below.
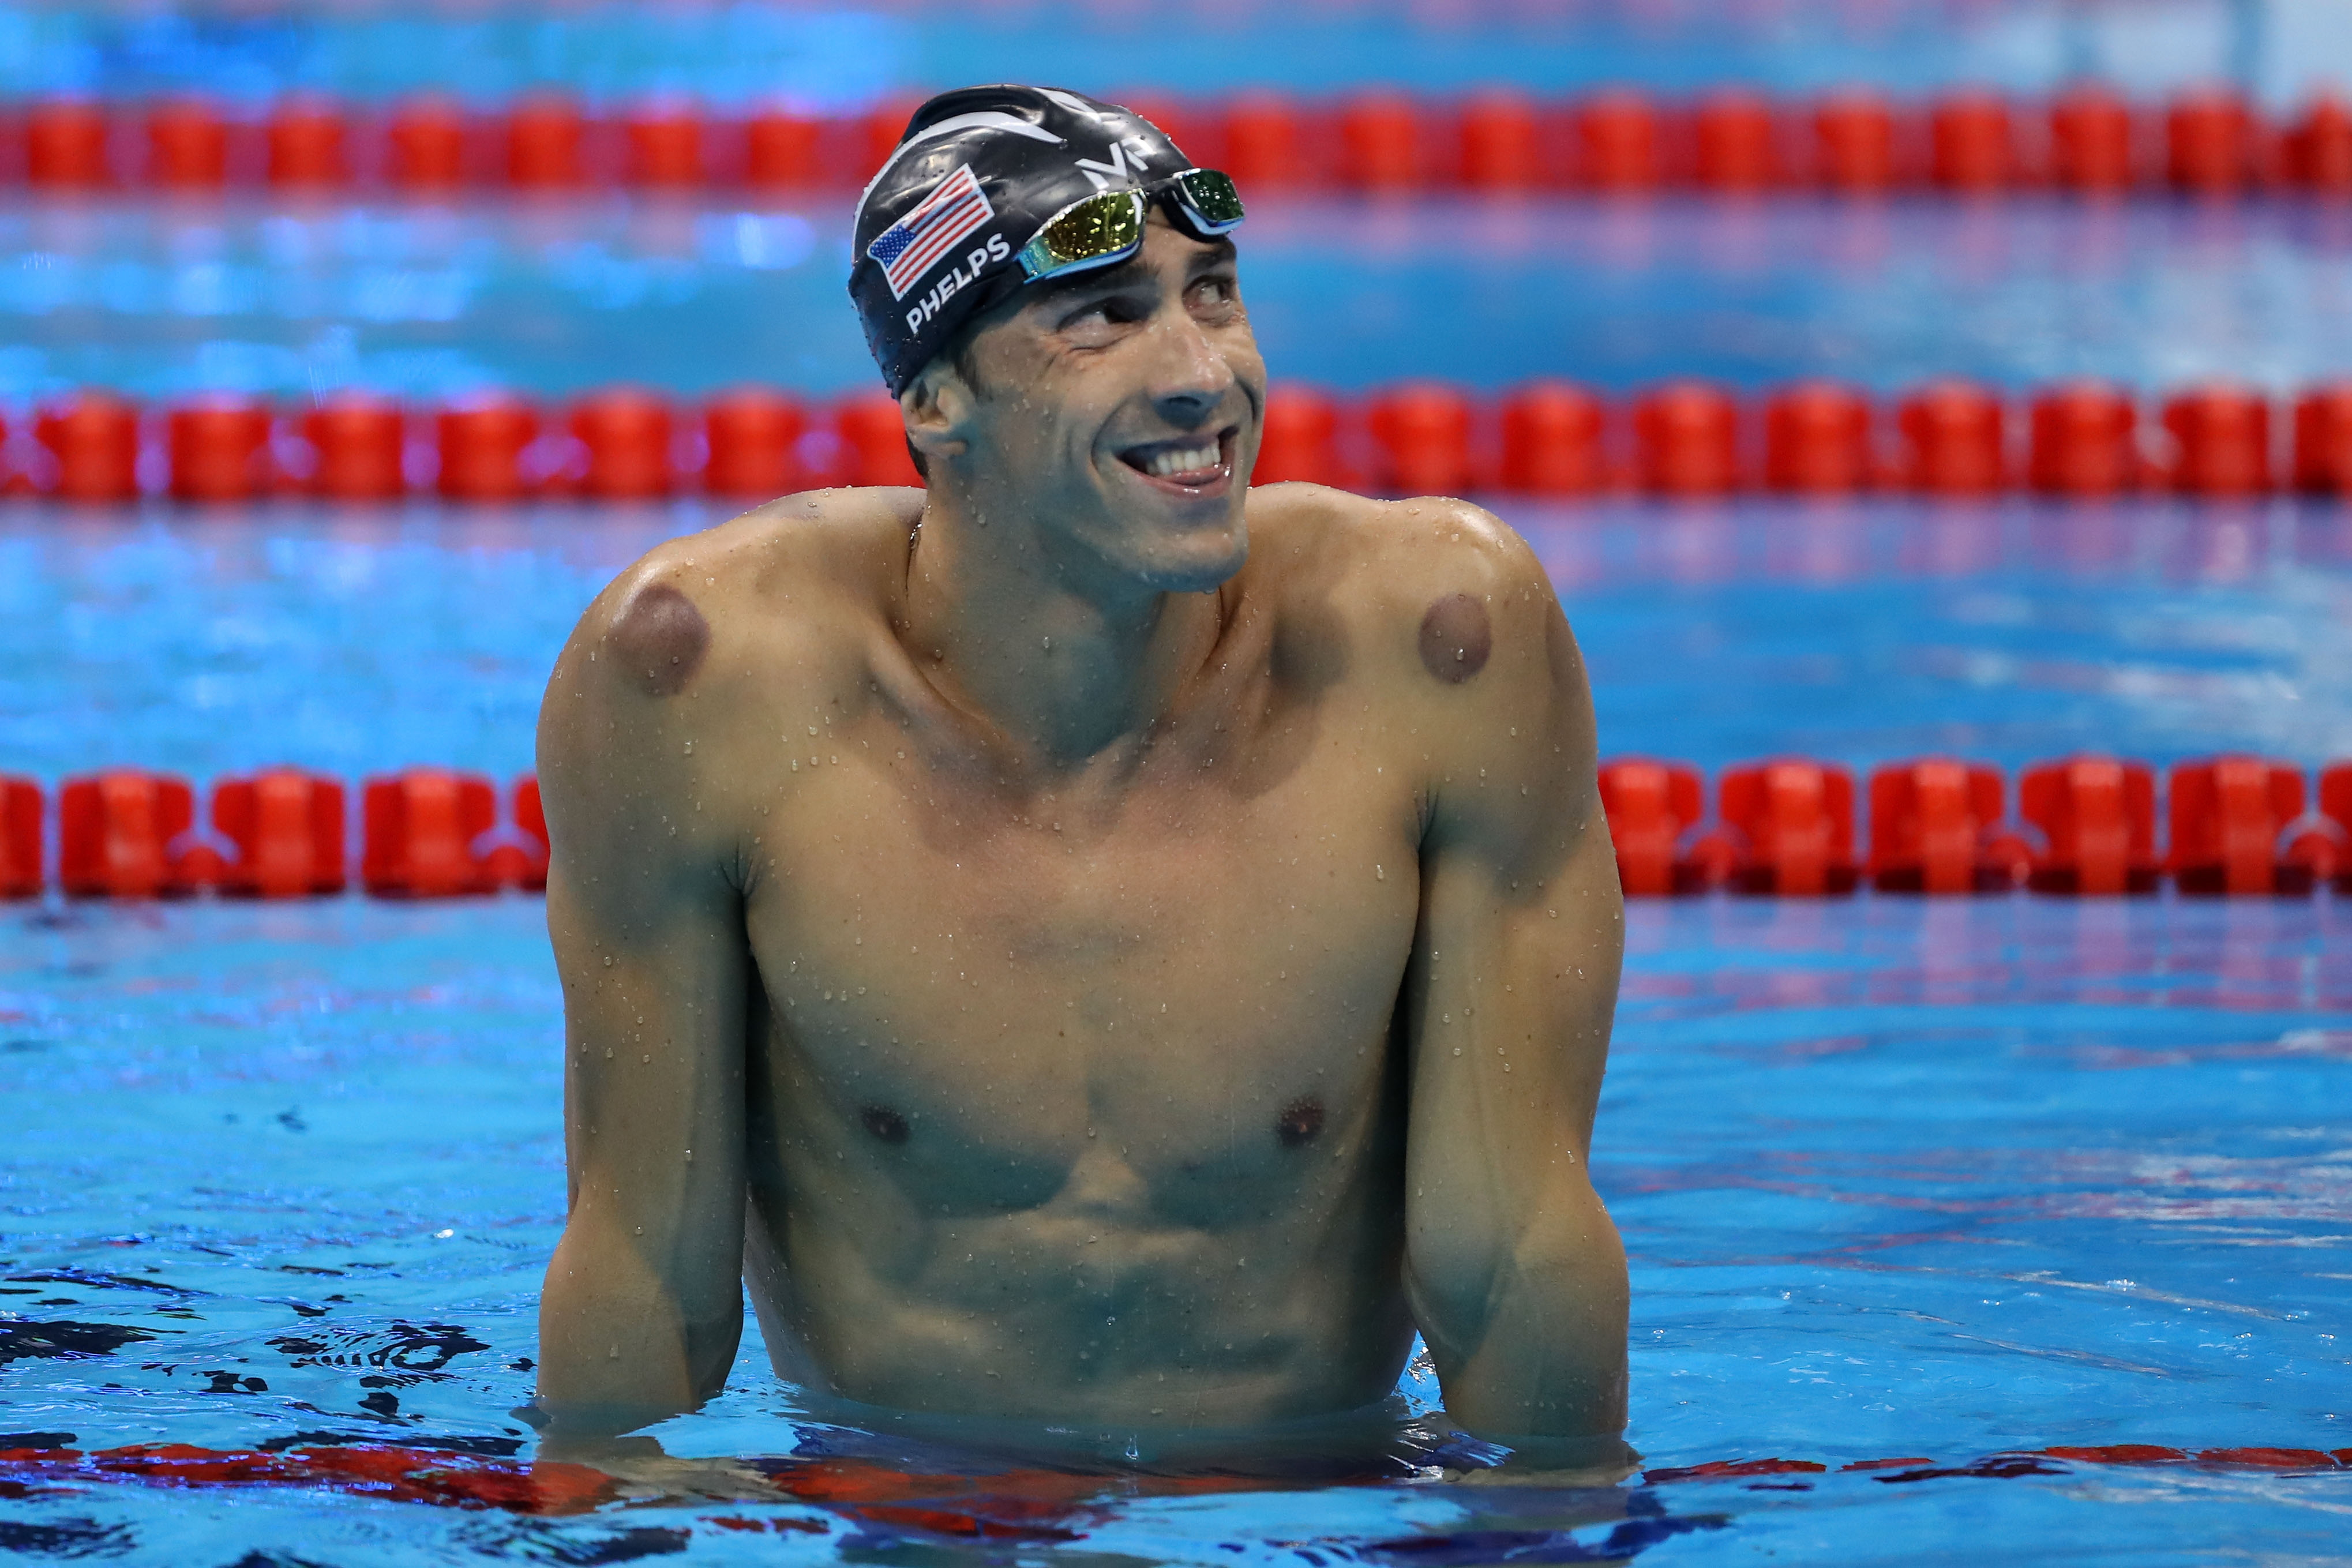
(1515, 1272)
(644, 910)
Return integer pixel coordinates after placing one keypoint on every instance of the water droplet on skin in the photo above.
(608, 961)
(1379, 874)
(613, 1354)
(689, 748)
(646, 1060)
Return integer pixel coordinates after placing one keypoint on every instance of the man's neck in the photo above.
(1063, 661)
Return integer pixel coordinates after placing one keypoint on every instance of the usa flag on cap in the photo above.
(956, 206)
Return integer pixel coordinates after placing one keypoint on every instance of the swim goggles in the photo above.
(1107, 226)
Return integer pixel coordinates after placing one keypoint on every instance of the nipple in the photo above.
(1300, 1121)
(884, 1123)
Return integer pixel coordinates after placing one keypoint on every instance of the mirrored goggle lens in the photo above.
(1209, 199)
(1103, 229)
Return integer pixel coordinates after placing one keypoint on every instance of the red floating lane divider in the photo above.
(2336, 807)
(2318, 149)
(873, 433)
(419, 841)
(1501, 143)
(121, 833)
(1816, 439)
(1299, 440)
(624, 435)
(2083, 441)
(1543, 438)
(1421, 433)
(781, 151)
(1794, 822)
(524, 864)
(219, 448)
(23, 871)
(1263, 146)
(355, 443)
(1973, 145)
(545, 133)
(664, 145)
(307, 139)
(1931, 829)
(1953, 440)
(753, 434)
(2221, 437)
(1686, 439)
(2097, 818)
(1552, 440)
(2209, 144)
(2323, 439)
(287, 828)
(1853, 144)
(188, 144)
(65, 145)
(1381, 138)
(91, 444)
(1735, 142)
(1618, 142)
(1649, 807)
(483, 442)
(425, 144)
(2091, 141)
(1785, 828)
(2228, 817)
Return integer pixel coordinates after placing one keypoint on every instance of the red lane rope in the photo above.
(1543, 438)
(2089, 140)
(2232, 825)
(1019, 1504)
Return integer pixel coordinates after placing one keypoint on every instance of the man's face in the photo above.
(1122, 408)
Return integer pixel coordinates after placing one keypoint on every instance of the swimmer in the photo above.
(1095, 947)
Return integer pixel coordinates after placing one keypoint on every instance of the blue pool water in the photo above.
(1934, 1181)
(163, 299)
(847, 56)
(1934, 1209)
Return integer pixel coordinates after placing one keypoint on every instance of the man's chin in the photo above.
(1195, 561)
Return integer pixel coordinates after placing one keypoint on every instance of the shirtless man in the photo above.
(1144, 946)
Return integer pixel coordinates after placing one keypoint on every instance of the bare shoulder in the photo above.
(697, 613)
(1444, 600)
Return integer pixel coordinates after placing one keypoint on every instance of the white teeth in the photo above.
(1184, 462)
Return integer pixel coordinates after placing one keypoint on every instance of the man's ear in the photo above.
(937, 406)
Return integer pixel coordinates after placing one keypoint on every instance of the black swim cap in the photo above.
(976, 172)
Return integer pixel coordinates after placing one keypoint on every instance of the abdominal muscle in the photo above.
(1273, 1300)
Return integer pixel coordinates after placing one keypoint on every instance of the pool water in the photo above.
(1914, 1191)
(689, 293)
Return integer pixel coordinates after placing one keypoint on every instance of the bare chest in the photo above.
(1198, 976)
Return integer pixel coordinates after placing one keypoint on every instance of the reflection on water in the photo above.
(1921, 1196)
(365, 638)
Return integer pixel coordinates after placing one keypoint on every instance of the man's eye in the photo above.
(1215, 292)
(1103, 313)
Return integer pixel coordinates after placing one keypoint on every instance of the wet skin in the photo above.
(1142, 945)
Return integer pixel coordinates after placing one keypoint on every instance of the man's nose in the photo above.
(1190, 378)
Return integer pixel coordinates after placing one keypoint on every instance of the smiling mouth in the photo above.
(1188, 462)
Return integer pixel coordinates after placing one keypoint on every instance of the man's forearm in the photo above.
(616, 1352)
(1549, 1360)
